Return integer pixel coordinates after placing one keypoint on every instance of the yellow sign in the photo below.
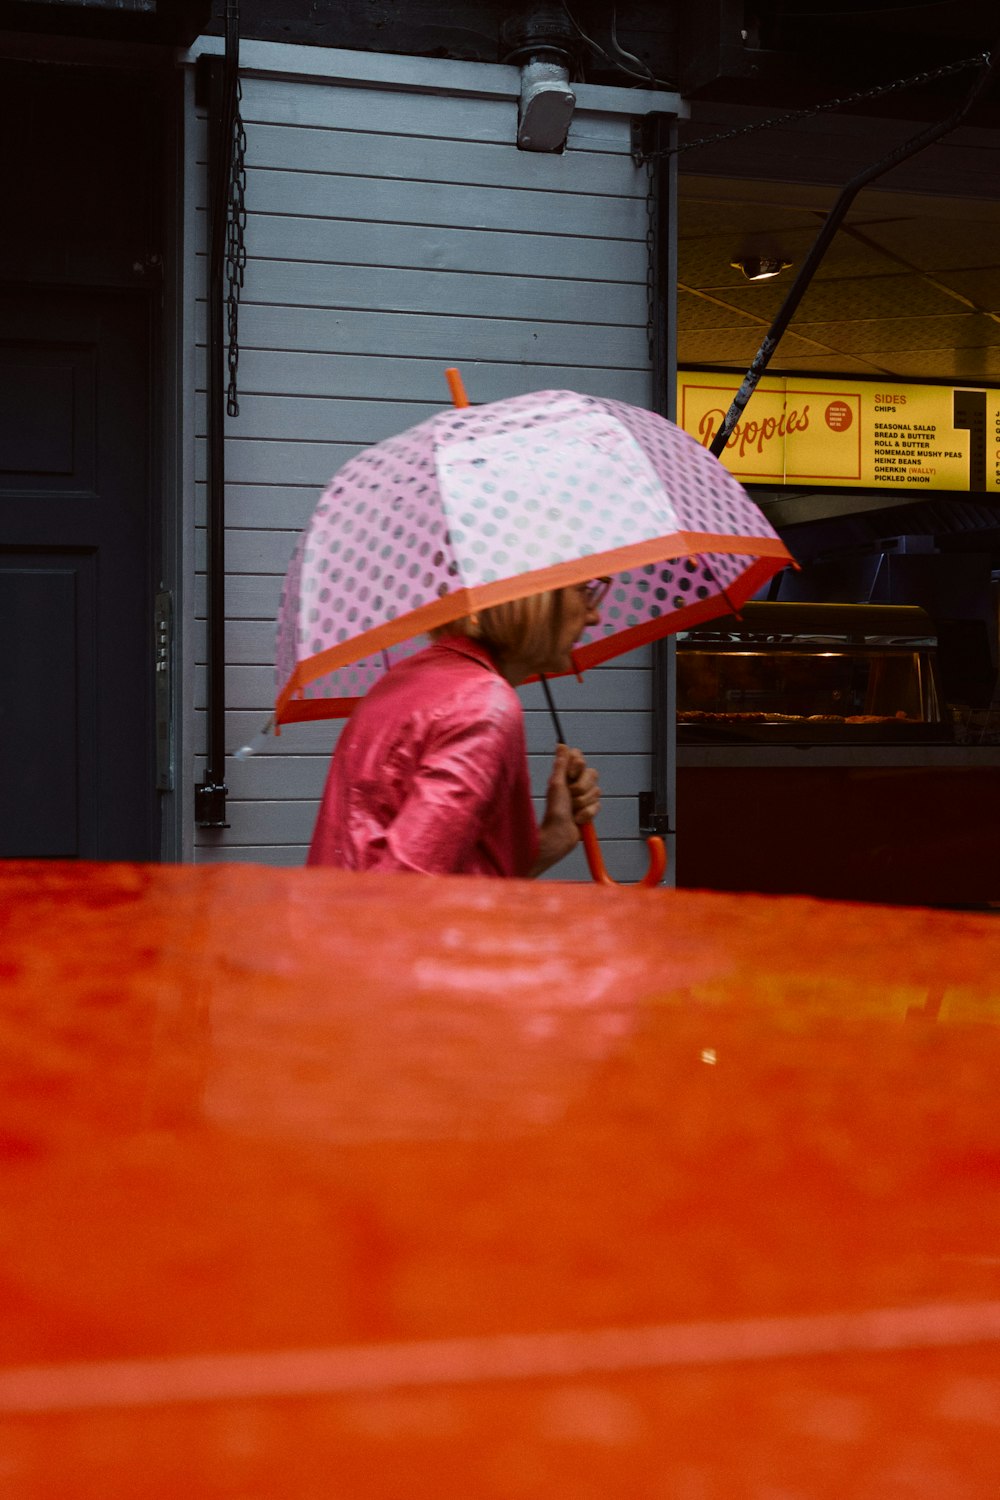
(847, 433)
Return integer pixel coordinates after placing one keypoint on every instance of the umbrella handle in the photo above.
(595, 859)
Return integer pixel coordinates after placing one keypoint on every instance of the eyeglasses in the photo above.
(595, 592)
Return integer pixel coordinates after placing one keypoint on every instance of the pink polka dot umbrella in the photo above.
(481, 505)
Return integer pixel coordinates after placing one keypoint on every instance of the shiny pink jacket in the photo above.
(431, 774)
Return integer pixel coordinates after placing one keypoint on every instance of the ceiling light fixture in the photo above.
(760, 267)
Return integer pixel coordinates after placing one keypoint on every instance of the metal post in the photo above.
(656, 806)
(210, 795)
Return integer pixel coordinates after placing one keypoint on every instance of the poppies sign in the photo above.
(847, 433)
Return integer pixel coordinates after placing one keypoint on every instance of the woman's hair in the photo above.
(522, 630)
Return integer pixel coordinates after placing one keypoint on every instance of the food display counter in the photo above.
(816, 754)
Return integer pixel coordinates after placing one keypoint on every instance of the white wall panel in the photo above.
(433, 289)
(479, 252)
(394, 231)
(270, 507)
(365, 383)
(431, 117)
(357, 152)
(625, 859)
(242, 725)
(328, 194)
(291, 822)
(623, 691)
(433, 111)
(289, 777)
(439, 340)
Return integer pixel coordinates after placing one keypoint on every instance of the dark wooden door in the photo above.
(76, 721)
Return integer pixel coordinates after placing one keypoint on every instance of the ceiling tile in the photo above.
(872, 297)
(973, 365)
(728, 346)
(697, 217)
(833, 364)
(886, 335)
(761, 299)
(706, 261)
(705, 312)
(847, 256)
(782, 363)
(937, 244)
(980, 287)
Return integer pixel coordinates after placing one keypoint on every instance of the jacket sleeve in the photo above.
(464, 770)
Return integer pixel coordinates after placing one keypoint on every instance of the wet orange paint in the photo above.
(383, 1186)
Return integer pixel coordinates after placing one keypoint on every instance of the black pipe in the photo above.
(822, 241)
(211, 794)
(660, 146)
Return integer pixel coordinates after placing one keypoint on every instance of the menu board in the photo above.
(845, 433)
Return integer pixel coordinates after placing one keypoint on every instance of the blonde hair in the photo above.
(522, 630)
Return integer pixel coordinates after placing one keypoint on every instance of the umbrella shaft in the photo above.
(560, 737)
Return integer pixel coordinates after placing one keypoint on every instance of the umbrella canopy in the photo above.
(478, 506)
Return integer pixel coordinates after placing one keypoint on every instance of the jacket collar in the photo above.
(464, 645)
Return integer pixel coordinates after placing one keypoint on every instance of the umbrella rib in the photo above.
(733, 609)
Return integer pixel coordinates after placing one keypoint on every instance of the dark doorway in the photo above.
(77, 270)
(76, 772)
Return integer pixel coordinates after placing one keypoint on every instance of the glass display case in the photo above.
(812, 673)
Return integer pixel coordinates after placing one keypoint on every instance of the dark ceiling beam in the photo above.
(463, 29)
(792, 51)
(712, 45)
(174, 23)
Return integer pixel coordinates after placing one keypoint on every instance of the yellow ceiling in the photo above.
(910, 285)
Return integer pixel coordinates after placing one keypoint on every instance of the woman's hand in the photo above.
(584, 789)
(572, 799)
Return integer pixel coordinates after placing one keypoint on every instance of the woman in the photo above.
(431, 772)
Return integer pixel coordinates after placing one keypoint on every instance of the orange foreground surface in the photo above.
(318, 1185)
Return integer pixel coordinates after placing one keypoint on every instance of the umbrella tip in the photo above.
(257, 743)
(456, 386)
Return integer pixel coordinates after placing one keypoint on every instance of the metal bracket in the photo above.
(163, 655)
(204, 69)
(651, 821)
(645, 136)
(210, 804)
(640, 144)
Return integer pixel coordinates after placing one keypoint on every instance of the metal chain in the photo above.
(650, 257)
(982, 59)
(236, 250)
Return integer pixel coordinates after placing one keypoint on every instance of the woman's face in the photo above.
(576, 615)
